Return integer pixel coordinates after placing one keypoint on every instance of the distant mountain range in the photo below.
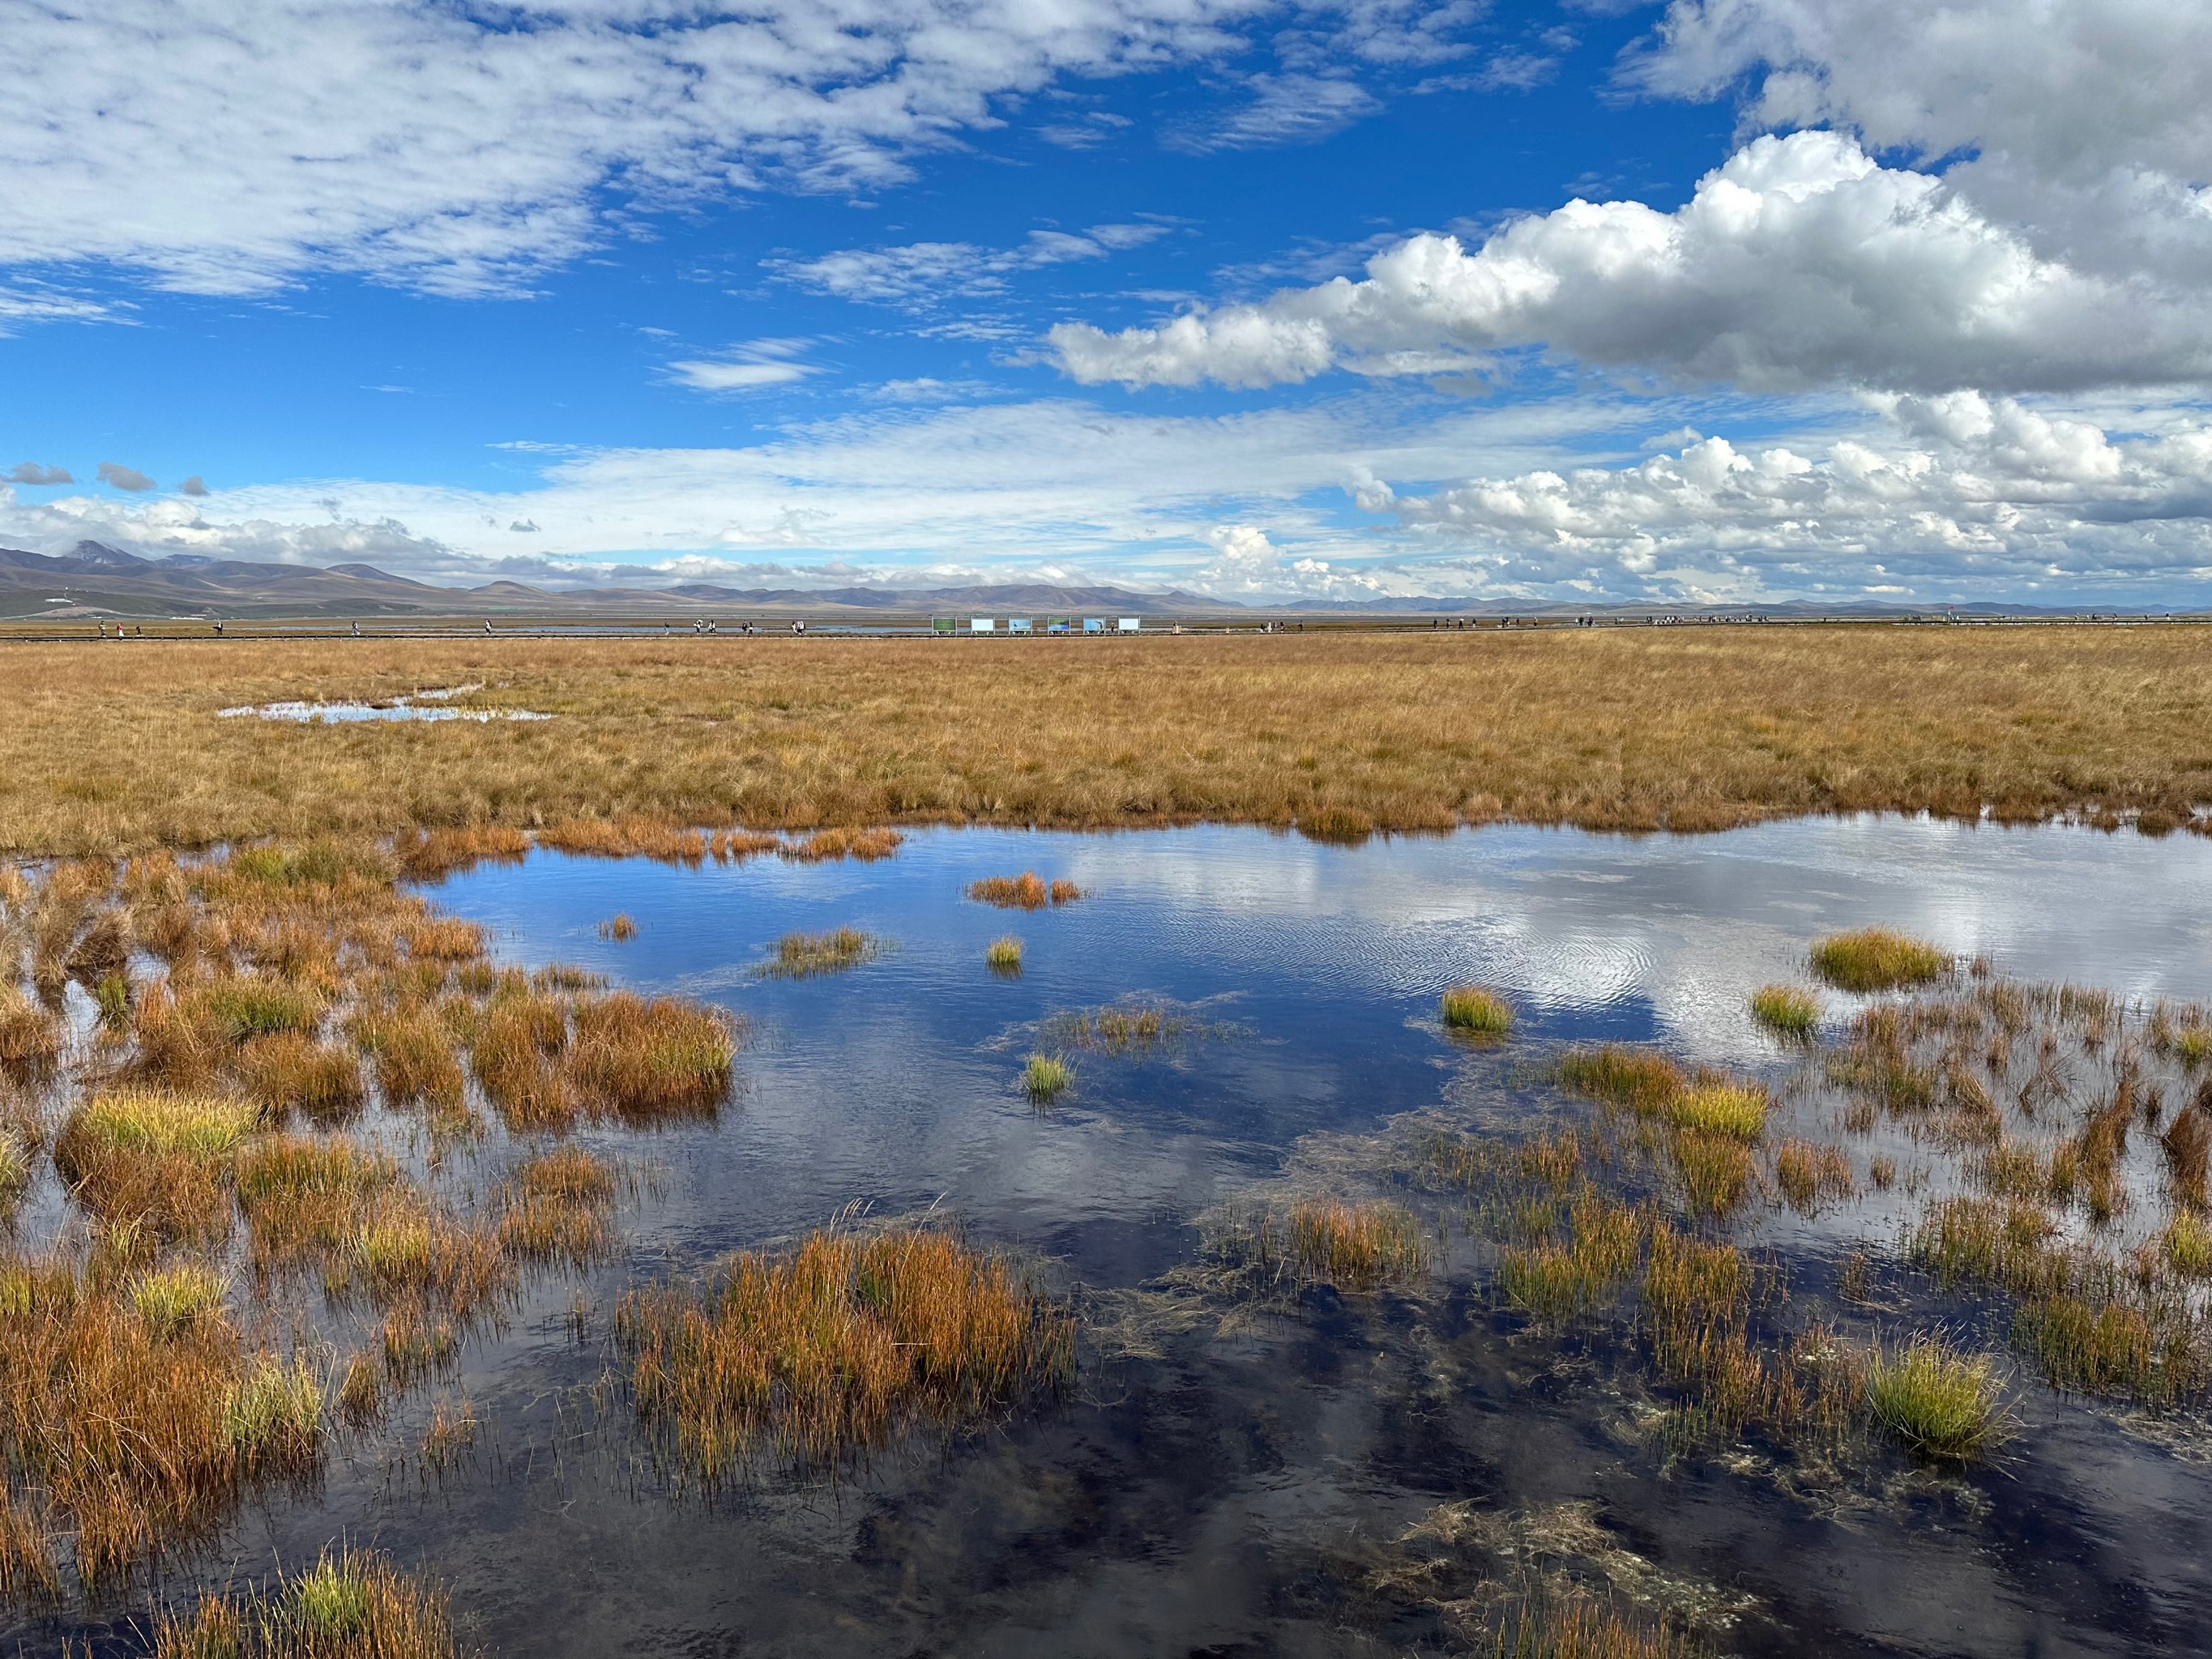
(95, 580)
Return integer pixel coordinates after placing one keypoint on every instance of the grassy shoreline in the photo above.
(105, 748)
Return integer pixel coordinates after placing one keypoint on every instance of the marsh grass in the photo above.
(651, 1060)
(619, 928)
(1027, 891)
(843, 1344)
(1474, 1011)
(348, 1606)
(412, 1056)
(1576, 1627)
(1356, 1246)
(1003, 955)
(1714, 1107)
(1878, 959)
(555, 1208)
(151, 1159)
(172, 1300)
(1809, 1175)
(1399, 732)
(864, 843)
(1714, 1171)
(1941, 1403)
(1635, 1077)
(31, 1037)
(1553, 1280)
(290, 1071)
(1045, 1078)
(450, 1433)
(806, 956)
(1786, 1010)
(2186, 1243)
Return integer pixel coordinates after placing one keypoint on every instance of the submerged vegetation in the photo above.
(804, 956)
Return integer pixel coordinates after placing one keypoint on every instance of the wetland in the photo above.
(1202, 1240)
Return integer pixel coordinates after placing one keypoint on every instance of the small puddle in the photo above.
(389, 708)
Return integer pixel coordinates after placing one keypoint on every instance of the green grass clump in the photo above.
(347, 1606)
(1787, 1010)
(1737, 1110)
(2187, 1242)
(1878, 959)
(803, 956)
(1046, 1077)
(1004, 955)
(1939, 1402)
(150, 1123)
(1714, 1171)
(248, 1008)
(273, 1415)
(172, 1300)
(1477, 1011)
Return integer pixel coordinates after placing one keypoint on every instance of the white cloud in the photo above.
(2084, 123)
(227, 152)
(1800, 263)
(1285, 109)
(743, 368)
(1957, 496)
(921, 275)
(1957, 492)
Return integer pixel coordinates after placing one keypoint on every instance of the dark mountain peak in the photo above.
(98, 556)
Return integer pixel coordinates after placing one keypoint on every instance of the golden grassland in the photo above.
(116, 746)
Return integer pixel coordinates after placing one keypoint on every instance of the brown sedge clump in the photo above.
(1354, 1246)
(844, 1344)
(1027, 891)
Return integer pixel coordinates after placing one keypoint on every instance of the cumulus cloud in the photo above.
(1958, 493)
(2084, 123)
(921, 275)
(194, 485)
(462, 150)
(30, 472)
(120, 477)
(1800, 263)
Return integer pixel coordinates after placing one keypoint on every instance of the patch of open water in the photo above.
(1244, 1486)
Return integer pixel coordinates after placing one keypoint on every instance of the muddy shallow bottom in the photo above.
(1309, 1471)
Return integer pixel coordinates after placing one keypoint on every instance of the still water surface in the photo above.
(1239, 1487)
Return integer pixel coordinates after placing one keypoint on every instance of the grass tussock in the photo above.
(1787, 1010)
(807, 956)
(291, 1070)
(619, 928)
(433, 854)
(1810, 1175)
(412, 1056)
(142, 1157)
(556, 1208)
(1737, 1110)
(864, 843)
(1878, 959)
(1027, 891)
(1045, 1078)
(844, 1344)
(1635, 1077)
(173, 1300)
(349, 1605)
(1552, 1280)
(1477, 1011)
(31, 1037)
(1354, 1246)
(1003, 955)
(654, 1060)
(1554, 1628)
(132, 1427)
(1941, 1403)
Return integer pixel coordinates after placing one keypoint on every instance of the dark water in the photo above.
(1229, 1482)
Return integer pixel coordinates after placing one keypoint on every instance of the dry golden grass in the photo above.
(1354, 1246)
(105, 750)
(128, 1431)
(845, 1344)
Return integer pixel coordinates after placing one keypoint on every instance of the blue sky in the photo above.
(1725, 300)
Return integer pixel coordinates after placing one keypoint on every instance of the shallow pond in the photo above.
(1319, 1472)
